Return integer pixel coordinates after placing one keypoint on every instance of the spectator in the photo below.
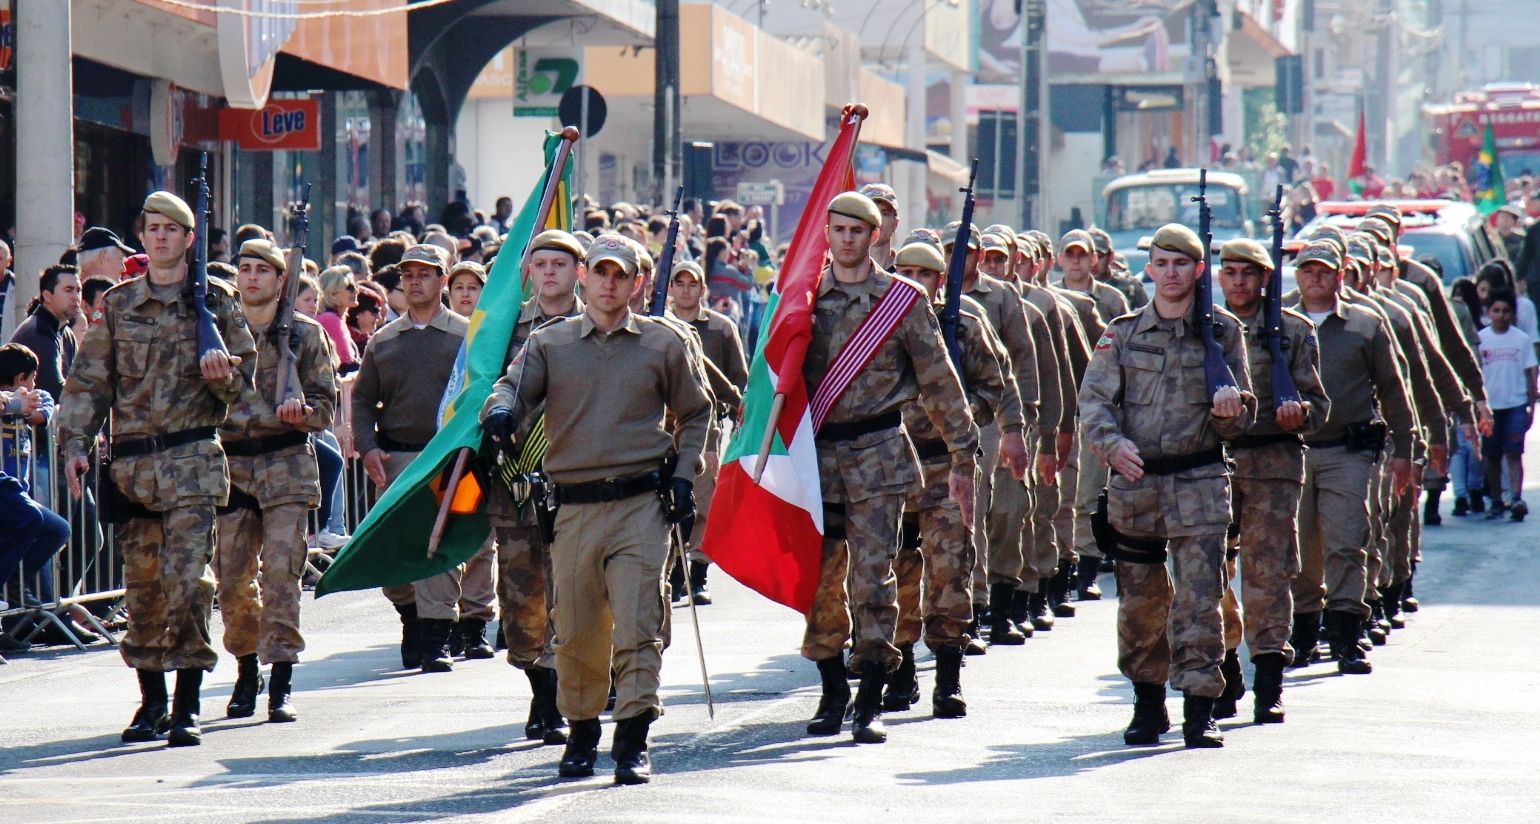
(46, 332)
(101, 252)
(1509, 222)
(466, 280)
(357, 226)
(308, 300)
(355, 261)
(1288, 167)
(339, 293)
(380, 223)
(133, 266)
(250, 231)
(7, 277)
(1325, 187)
(219, 245)
(367, 316)
(386, 252)
(1508, 367)
(33, 534)
(445, 241)
(91, 291)
(344, 245)
(389, 281)
(502, 215)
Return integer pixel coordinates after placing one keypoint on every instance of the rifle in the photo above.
(209, 338)
(666, 258)
(283, 322)
(1215, 371)
(1284, 390)
(951, 312)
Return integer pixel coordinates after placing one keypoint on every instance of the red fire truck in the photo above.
(1456, 129)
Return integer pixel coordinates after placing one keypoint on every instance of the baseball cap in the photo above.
(475, 269)
(429, 253)
(619, 248)
(98, 238)
(949, 235)
(1102, 240)
(1319, 252)
(1077, 237)
(880, 192)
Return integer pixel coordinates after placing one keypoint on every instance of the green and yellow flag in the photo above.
(390, 546)
(1491, 193)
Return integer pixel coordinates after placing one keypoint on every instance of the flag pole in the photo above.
(856, 113)
(569, 136)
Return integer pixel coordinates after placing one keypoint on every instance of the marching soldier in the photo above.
(1077, 262)
(865, 461)
(607, 378)
(1147, 413)
(166, 400)
(1130, 287)
(274, 483)
(884, 249)
(401, 382)
(1268, 477)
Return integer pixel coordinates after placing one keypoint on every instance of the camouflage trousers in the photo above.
(168, 589)
(1087, 488)
(1334, 531)
(1267, 511)
(1064, 526)
(1174, 631)
(867, 613)
(934, 567)
(524, 595)
(258, 566)
(438, 597)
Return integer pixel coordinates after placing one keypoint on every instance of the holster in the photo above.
(1365, 436)
(1120, 547)
(114, 508)
(543, 496)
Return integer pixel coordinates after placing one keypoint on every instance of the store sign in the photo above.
(249, 46)
(541, 77)
(292, 124)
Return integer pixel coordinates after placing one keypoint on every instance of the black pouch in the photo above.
(543, 496)
(1365, 437)
(1120, 547)
(113, 508)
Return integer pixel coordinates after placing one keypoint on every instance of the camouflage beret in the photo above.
(263, 249)
(619, 248)
(923, 255)
(168, 204)
(1246, 250)
(856, 205)
(1320, 252)
(1077, 237)
(557, 241)
(1174, 237)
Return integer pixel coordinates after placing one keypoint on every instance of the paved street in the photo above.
(1442, 731)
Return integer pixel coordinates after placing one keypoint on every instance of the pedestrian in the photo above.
(1509, 365)
(47, 332)
(466, 280)
(339, 294)
(626, 416)
(102, 252)
(166, 401)
(274, 483)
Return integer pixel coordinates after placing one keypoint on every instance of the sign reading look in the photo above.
(282, 124)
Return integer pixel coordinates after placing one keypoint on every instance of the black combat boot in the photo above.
(1235, 686)
(1037, 607)
(184, 730)
(632, 766)
(1267, 692)
(903, 689)
(830, 715)
(1001, 630)
(534, 727)
(435, 644)
(698, 589)
(1198, 728)
(1089, 569)
(1377, 615)
(411, 636)
(1409, 602)
(1390, 601)
(473, 636)
(677, 586)
(1478, 499)
(1150, 718)
(150, 720)
(1307, 633)
(248, 685)
(1461, 507)
(1343, 629)
(1058, 591)
(1430, 516)
(1021, 601)
(456, 640)
(577, 761)
(946, 701)
(280, 710)
(976, 644)
(1372, 629)
(866, 723)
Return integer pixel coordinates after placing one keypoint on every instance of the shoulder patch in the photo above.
(1310, 341)
(1106, 340)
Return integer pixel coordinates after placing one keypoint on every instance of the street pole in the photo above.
(1030, 130)
(666, 145)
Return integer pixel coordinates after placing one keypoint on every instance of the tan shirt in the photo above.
(1460, 351)
(1003, 309)
(1430, 412)
(1110, 303)
(1451, 392)
(1052, 344)
(1358, 369)
(402, 379)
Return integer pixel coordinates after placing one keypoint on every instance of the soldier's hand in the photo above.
(374, 467)
(218, 366)
(499, 427)
(1484, 418)
(679, 501)
(73, 471)
(1125, 460)
(1013, 449)
(1438, 456)
(1062, 443)
(1047, 469)
(1402, 475)
(1228, 403)
(294, 411)
(959, 488)
(1292, 415)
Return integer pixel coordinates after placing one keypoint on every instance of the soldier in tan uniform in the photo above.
(607, 379)
(1146, 412)
(1268, 477)
(274, 483)
(867, 465)
(141, 366)
(401, 382)
(1129, 286)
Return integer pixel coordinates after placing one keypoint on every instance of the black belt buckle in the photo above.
(607, 490)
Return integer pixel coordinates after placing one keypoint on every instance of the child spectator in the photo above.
(1508, 367)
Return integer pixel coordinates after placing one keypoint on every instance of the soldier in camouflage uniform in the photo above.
(141, 366)
(1268, 478)
(274, 483)
(867, 465)
(937, 544)
(1146, 411)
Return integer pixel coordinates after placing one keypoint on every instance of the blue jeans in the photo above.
(29, 534)
(328, 456)
(1466, 469)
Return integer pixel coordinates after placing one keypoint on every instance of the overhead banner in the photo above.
(293, 124)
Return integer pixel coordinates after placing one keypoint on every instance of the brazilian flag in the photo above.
(1491, 193)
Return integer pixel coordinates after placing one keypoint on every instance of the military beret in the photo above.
(168, 204)
(1361, 249)
(949, 235)
(263, 249)
(688, 267)
(880, 192)
(856, 205)
(430, 253)
(619, 248)
(1319, 252)
(1077, 237)
(1246, 250)
(997, 243)
(921, 254)
(558, 241)
(1101, 238)
(470, 267)
(1391, 214)
(1378, 227)
(1174, 237)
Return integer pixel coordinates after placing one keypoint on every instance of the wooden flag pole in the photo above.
(462, 458)
(769, 439)
(569, 137)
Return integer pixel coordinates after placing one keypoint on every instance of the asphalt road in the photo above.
(1442, 731)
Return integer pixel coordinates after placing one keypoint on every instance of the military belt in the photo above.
(134, 447)
(930, 450)
(252, 447)
(851, 430)
(1172, 464)
(390, 444)
(1259, 441)
(610, 489)
(1359, 436)
(239, 499)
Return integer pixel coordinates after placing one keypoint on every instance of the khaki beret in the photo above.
(1101, 238)
(263, 250)
(430, 253)
(1319, 252)
(881, 192)
(1246, 250)
(619, 248)
(559, 241)
(856, 205)
(168, 204)
(949, 235)
(1077, 237)
(1391, 214)
(471, 267)
(921, 254)
(1378, 227)
(1174, 237)
(688, 267)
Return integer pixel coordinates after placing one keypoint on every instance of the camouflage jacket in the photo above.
(1304, 357)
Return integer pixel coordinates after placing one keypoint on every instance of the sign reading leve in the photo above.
(292, 124)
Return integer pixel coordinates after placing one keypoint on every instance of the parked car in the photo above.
(1452, 231)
